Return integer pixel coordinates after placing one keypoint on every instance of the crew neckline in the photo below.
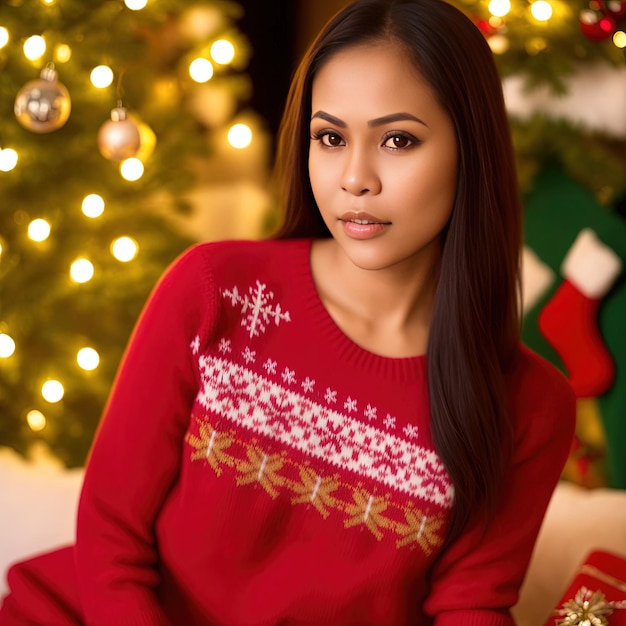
(334, 336)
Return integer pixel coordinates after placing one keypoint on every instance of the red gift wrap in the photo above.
(602, 572)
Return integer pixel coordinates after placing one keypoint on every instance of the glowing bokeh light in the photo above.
(131, 169)
(39, 230)
(34, 47)
(81, 271)
(88, 359)
(240, 136)
(7, 346)
(62, 53)
(36, 420)
(93, 205)
(8, 159)
(499, 44)
(101, 76)
(52, 391)
(201, 70)
(124, 249)
(4, 36)
(541, 10)
(499, 8)
(222, 51)
(136, 5)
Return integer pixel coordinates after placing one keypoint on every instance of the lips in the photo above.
(362, 226)
(361, 218)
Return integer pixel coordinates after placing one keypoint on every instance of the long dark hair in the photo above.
(474, 333)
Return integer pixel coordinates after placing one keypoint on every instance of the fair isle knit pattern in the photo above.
(349, 446)
(294, 420)
(251, 401)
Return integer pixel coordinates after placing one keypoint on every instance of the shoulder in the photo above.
(537, 380)
(540, 398)
(202, 264)
(196, 281)
(240, 253)
(225, 265)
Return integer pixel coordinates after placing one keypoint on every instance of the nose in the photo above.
(359, 176)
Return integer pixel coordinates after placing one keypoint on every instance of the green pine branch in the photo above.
(49, 316)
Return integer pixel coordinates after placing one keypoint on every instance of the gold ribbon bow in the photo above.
(588, 608)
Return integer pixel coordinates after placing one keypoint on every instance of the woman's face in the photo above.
(383, 157)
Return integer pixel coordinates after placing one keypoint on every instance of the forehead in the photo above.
(381, 75)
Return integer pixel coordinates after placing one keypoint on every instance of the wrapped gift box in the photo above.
(601, 571)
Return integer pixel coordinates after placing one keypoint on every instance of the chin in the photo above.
(371, 260)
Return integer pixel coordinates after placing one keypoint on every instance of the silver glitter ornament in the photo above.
(43, 105)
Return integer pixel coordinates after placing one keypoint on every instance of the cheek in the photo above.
(430, 189)
(320, 177)
(441, 179)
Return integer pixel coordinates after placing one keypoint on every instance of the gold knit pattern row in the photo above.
(278, 474)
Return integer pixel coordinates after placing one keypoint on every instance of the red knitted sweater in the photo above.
(255, 467)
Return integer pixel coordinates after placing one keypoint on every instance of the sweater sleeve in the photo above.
(477, 580)
(135, 458)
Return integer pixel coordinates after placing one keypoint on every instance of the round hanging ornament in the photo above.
(118, 138)
(596, 25)
(43, 105)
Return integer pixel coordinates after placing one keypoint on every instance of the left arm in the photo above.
(477, 580)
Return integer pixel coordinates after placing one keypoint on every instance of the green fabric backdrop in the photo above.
(556, 210)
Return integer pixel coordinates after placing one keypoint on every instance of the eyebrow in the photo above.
(379, 121)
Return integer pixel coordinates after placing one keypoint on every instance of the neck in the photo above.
(388, 310)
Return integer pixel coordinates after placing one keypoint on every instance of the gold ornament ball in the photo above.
(43, 105)
(118, 138)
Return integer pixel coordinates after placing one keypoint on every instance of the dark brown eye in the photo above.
(332, 140)
(398, 142)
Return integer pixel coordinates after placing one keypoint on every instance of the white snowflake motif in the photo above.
(289, 376)
(410, 430)
(330, 396)
(308, 385)
(224, 346)
(390, 421)
(270, 366)
(195, 345)
(248, 355)
(349, 405)
(371, 412)
(256, 310)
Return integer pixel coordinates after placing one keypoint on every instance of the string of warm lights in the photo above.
(598, 21)
(81, 270)
(201, 70)
(543, 10)
(43, 106)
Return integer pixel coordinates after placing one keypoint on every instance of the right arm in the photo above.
(135, 458)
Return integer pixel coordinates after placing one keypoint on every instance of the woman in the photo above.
(338, 425)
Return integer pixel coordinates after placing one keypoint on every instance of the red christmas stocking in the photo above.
(569, 319)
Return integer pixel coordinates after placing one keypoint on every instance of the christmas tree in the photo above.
(104, 128)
